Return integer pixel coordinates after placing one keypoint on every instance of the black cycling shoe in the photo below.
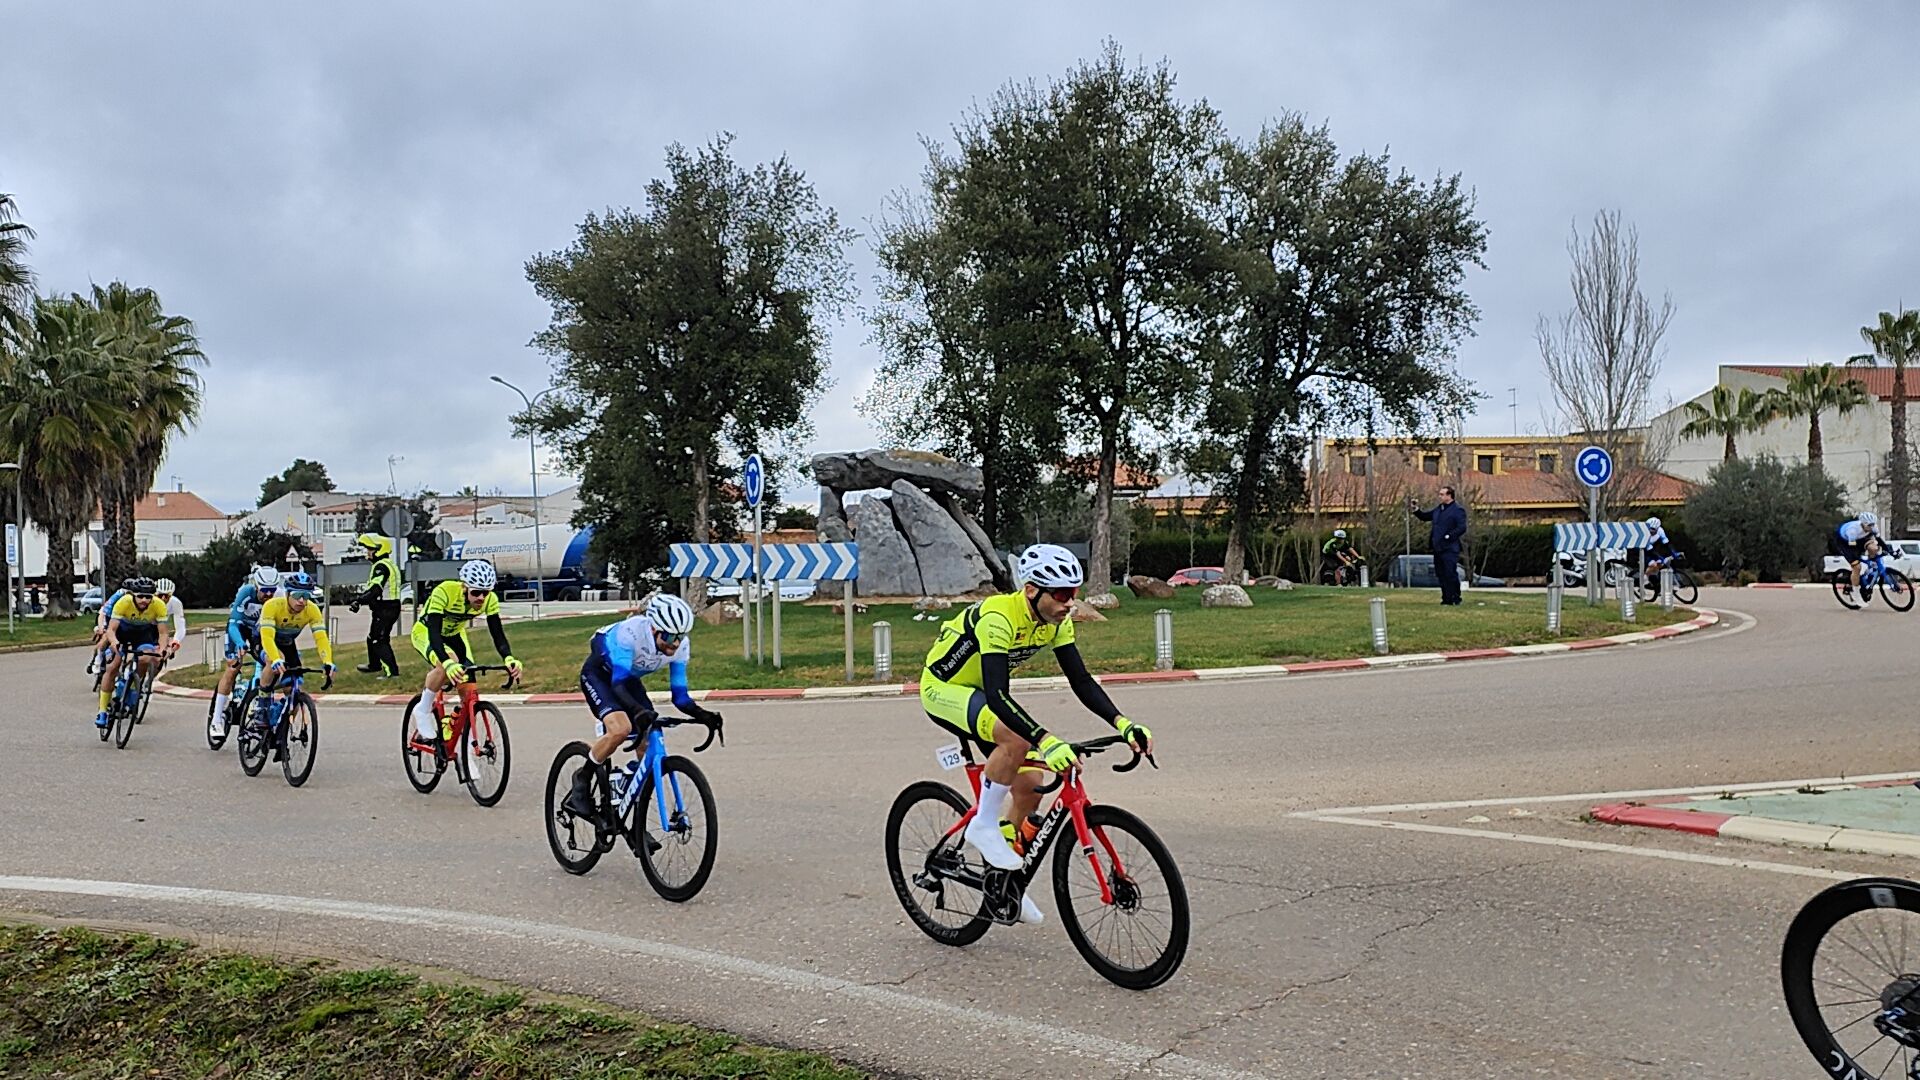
(579, 800)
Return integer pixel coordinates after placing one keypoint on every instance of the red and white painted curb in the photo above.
(1683, 816)
(1703, 619)
(1789, 585)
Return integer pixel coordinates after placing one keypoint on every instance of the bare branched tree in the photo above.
(1602, 357)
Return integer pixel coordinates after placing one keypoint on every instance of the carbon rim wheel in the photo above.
(1842, 585)
(422, 767)
(300, 736)
(575, 842)
(1139, 939)
(921, 858)
(252, 744)
(1851, 955)
(1897, 591)
(125, 713)
(486, 755)
(678, 859)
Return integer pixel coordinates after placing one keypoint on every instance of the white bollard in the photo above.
(1626, 597)
(1556, 594)
(1666, 588)
(1163, 640)
(1366, 580)
(210, 650)
(882, 651)
(1379, 611)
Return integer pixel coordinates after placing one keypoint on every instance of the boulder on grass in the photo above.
(1105, 601)
(721, 613)
(1226, 596)
(1150, 588)
(1085, 612)
(932, 603)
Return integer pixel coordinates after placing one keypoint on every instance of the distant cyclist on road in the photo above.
(1849, 542)
(243, 637)
(966, 688)
(618, 657)
(137, 619)
(1338, 558)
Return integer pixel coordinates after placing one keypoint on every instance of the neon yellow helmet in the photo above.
(379, 545)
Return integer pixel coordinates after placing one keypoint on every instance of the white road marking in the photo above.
(1612, 796)
(1112, 1051)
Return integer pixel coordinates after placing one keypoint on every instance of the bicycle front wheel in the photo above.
(126, 712)
(1848, 975)
(253, 742)
(1685, 589)
(1897, 591)
(1138, 937)
(676, 860)
(422, 766)
(485, 754)
(924, 862)
(300, 738)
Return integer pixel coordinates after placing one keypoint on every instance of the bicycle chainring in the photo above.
(1002, 893)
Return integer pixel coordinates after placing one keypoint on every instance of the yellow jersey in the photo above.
(449, 601)
(129, 611)
(279, 623)
(998, 624)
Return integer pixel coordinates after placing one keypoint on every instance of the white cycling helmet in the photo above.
(669, 614)
(163, 587)
(1050, 566)
(1653, 523)
(1868, 519)
(1340, 534)
(478, 574)
(266, 577)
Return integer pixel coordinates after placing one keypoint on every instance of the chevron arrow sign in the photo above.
(1589, 535)
(709, 560)
(810, 562)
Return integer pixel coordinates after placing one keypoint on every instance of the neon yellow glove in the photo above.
(1058, 755)
(1137, 735)
(513, 667)
(455, 673)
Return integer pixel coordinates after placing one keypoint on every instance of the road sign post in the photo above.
(753, 476)
(1594, 466)
(13, 557)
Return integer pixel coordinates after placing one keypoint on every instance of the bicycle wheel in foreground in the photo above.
(920, 863)
(575, 840)
(300, 737)
(1843, 591)
(1897, 591)
(1848, 971)
(486, 755)
(678, 859)
(1139, 938)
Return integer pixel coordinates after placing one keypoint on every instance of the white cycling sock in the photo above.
(423, 719)
(220, 704)
(993, 798)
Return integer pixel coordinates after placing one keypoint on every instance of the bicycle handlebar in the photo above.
(1096, 746)
(663, 722)
(295, 671)
(482, 669)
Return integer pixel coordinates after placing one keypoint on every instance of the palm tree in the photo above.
(16, 282)
(153, 355)
(59, 419)
(1816, 389)
(1728, 413)
(1895, 340)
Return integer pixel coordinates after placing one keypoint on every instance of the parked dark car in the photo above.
(1421, 567)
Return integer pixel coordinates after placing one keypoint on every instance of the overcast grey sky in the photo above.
(343, 196)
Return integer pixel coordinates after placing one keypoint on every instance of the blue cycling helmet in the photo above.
(299, 584)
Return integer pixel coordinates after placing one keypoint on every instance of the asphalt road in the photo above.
(1510, 940)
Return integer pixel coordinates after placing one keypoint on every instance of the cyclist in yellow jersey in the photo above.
(965, 688)
(441, 636)
(281, 620)
(138, 618)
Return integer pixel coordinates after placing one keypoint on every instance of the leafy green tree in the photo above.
(1081, 202)
(682, 333)
(61, 421)
(1763, 516)
(16, 281)
(1812, 391)
(1895, 341)
(796, 517)
(1345, 299)
(1729, 413)
(302, 475)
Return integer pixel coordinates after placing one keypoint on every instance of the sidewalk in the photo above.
(1874, 819)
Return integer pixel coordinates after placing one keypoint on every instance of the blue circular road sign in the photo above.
(755, 475)
(1594, 466)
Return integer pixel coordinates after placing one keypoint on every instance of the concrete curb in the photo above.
(1703, 619)
(1764, 830)
(1788, 585)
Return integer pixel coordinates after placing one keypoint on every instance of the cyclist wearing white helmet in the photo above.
(618, 657)
(1849, 542)
(441, 636)
(965, 688)
(163, 590)
(243, 637)
(1337, 558)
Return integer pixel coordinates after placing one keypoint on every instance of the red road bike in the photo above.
(1118, 891)
(473, 737)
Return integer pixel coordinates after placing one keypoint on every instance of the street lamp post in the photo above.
(533, 475)
(20, 525)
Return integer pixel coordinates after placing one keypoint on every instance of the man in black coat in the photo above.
(1449, 528)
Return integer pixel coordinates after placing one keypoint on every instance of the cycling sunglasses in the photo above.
(1064, 596)
(671, 641)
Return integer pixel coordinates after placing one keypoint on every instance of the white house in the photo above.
(165, 523)
(1853, 447)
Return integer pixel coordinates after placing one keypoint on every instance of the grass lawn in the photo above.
(1282, 627)
(80, 1003)
(36, 630)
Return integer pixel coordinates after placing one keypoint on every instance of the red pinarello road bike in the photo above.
(1118, 891)
(473, 737)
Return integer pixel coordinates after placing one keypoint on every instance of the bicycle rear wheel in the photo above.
(677, 860)
(300, 738)
(1843, 591)
(576, 841)
(423, 767)
(1897, 591)
(215, 742)
(1139, 938)
(922, 863)
(146, 694)
(253, 743)
(1847, 971)
(485, 755)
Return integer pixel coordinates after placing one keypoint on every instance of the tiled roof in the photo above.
(175, 506)
(1877, 380)
(1520, 487)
